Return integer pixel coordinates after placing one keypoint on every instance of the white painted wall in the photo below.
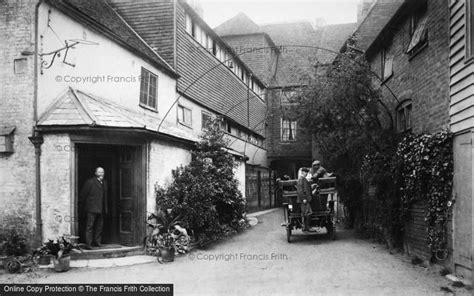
(102, 64)
(163, 158)
(96, 68)
(56, 188)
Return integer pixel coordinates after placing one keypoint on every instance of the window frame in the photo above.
(203, 114)
(183, 109)
(147, 105)
(292, 132)
(189, 24)
(384, 58)
(407, 115)
(469, 13)
(284, 99)
(419, 15)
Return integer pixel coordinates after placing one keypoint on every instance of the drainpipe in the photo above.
(36, 138)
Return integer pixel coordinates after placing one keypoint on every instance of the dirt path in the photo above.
(261, 262)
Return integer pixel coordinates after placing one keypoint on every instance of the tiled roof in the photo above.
(99, 15)
(153, 21)
(78, 108)
(333, 38)
(257, 51)
(239, 24)
(299, 44)
(297, 41)
(377, 18)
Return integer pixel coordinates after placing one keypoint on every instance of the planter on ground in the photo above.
(62, 264)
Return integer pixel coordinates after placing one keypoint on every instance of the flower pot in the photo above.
(44, 260)
(62, 264)
(167, 254)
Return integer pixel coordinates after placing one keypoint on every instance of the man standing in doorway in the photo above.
(94, 197)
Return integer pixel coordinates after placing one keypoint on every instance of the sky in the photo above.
(271, 11)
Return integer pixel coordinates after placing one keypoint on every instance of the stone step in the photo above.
(106, 251)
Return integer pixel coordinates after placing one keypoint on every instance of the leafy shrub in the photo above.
(425, 168)
(204, 193)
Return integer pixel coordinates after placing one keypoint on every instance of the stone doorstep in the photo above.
(108, 262)
(104, 253)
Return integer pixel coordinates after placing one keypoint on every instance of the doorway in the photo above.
(125, 199)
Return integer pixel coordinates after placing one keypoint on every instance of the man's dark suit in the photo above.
(94, 198)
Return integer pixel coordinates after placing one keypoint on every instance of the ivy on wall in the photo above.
(425, 168)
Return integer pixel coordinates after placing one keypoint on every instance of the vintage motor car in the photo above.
(322, 204)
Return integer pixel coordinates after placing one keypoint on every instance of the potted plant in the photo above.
(60, 249)
(13, 248)
(166, 237)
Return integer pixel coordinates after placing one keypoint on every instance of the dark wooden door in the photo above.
(89, 158)
(126, 197)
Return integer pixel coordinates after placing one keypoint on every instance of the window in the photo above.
(387, 65)
(288, 130)
(210, 44)
(246, 78)
(198, 34)
(404, 116)
(193, 29)
(418, 30)
(288, 96)
(189, 24)
(184, 115)
(469, 29)
(148, 87)
(214, 48)
(223, 124)
(206, 119)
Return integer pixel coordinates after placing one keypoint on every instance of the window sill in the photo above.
(287, 141)
(384, 80)
(469, 60)
(289, 104)
(148, 107)
(407, 131)
(188, 125)
(415, 51)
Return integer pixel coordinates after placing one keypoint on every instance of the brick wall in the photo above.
(17, 170)
(424, 78)
(285, 157)
(301, 147)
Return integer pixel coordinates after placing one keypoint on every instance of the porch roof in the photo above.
(78, 108)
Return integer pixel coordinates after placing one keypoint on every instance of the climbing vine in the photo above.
(424, 164)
